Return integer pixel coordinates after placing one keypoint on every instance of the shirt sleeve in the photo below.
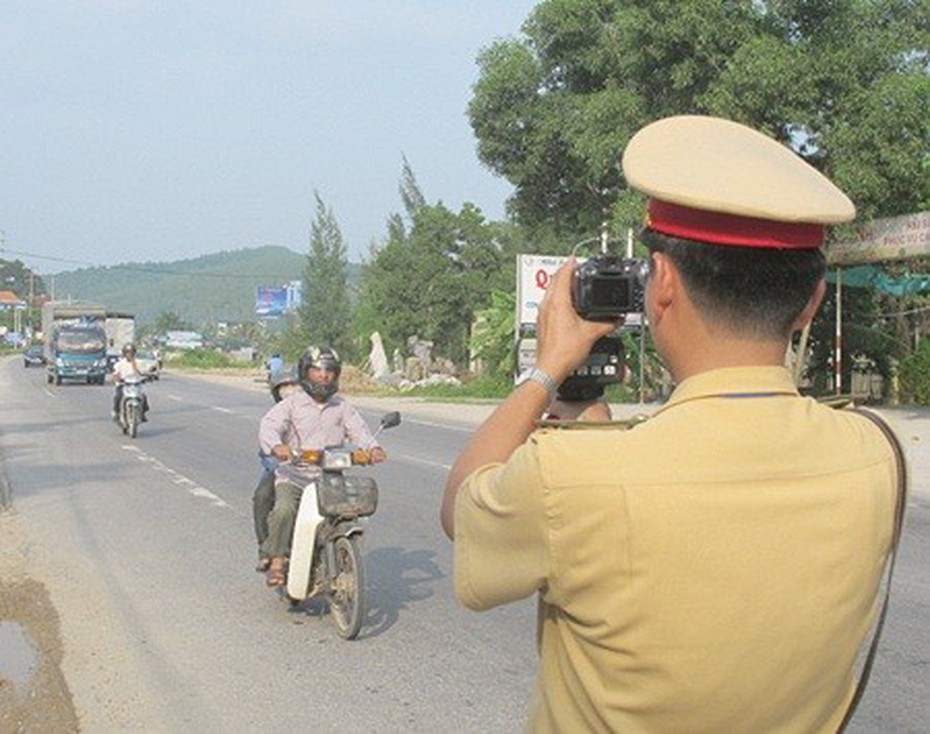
(272, 428)
(356, 428)
(501, 549)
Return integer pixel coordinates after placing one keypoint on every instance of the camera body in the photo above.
(606, 287)
(604, 366)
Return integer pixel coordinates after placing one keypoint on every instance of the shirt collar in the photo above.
(733, 382)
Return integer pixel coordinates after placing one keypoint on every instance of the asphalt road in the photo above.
(145, 548)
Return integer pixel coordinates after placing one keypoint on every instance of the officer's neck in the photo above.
(702, 347)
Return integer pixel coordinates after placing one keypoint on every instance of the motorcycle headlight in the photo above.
(337, 459)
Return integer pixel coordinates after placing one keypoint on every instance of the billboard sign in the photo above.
(270, 301)
(534, 272)
(892, 238)
(533, 275)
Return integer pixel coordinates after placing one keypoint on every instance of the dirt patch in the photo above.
(33, 693)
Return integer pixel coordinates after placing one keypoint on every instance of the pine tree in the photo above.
(325, 315)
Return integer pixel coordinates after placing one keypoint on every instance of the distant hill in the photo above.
(207, 289)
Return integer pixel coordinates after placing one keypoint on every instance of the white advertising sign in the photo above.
(534, 272)
(893, 238)
(533, 275)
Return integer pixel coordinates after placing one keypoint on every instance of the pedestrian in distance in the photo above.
(716, 567)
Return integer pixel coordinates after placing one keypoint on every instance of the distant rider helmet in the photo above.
(322, 358)
(129, 350)
(281, 379)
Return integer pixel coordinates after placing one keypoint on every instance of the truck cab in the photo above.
(77, 353)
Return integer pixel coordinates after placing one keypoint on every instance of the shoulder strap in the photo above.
(900, 503)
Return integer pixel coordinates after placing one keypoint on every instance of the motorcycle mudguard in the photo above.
(302, 544)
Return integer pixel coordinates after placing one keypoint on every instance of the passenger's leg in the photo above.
(262, 502)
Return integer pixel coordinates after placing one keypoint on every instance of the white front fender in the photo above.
(302, 544)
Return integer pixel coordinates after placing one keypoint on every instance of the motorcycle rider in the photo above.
(124, 367)
(283, 383)
(273, 365)
(314, 418)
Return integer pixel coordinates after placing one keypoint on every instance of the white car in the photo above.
(148, 364)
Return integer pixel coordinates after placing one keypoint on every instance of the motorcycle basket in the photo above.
(339, 495)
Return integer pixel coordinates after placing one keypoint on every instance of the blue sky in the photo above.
(144, 130)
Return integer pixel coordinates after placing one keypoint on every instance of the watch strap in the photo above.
(535, 374)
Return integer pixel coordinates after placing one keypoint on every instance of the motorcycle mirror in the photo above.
(389, 420)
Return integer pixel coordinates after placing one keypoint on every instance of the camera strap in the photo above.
(900, 502)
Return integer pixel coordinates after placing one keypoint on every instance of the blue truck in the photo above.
(75, 342)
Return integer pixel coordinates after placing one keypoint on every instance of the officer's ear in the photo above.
(663, 287)
(810, 310)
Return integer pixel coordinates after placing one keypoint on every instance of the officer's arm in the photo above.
(564, 340)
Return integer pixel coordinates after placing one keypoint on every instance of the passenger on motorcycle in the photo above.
(124, 367)
(313, 418)
(283, 383)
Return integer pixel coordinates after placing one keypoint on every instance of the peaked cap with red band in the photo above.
(714, 180)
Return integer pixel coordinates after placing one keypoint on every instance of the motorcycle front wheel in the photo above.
(132, 419)
(347, 596)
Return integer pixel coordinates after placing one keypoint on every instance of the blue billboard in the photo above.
(278, 300)
(270, 301)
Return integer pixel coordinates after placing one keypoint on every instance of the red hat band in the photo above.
(731, 229)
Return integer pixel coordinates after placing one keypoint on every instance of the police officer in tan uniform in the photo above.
(716, 568)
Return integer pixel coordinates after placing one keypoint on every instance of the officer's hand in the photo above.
(563, 338)
(377, 455)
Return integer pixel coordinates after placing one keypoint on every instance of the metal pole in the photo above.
(801, 355)
(838, 342)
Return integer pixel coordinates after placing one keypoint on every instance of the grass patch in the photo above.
(204, 359)
(489, 388)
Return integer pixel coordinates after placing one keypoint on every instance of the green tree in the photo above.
(915, 375)
(844, 83)
(169, 321)
(435, 270)
(429, 281)
(325, 315)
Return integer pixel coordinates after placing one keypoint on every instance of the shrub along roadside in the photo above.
(204, 359)
(914, 375)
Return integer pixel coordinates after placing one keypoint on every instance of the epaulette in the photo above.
(573, 425)
(838, 401)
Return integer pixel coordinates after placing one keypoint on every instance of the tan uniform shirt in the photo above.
(714, 569)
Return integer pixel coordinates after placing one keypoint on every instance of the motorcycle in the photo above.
(131, 404)
(325, 556)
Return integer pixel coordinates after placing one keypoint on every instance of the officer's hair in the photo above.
(759, 291)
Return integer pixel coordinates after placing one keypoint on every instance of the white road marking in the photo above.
(431, 424)
(417, 460)
(192, 487)
(222, 410)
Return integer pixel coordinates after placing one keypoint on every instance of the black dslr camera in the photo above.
(606, 287)
(604, 366)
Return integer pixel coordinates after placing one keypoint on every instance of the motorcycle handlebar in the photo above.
(336, 457)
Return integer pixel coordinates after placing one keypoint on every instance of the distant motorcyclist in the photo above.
(283, 383)
(313, 418)
(124, 367)
(273, 365)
